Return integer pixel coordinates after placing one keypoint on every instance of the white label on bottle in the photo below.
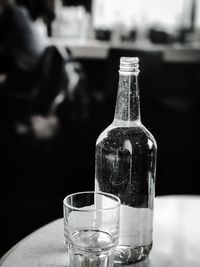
(135, 226)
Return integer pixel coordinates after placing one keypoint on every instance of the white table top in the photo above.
(176, 239)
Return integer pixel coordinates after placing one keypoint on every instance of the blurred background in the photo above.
(58, 83)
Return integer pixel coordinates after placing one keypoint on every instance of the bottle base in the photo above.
(129, 254)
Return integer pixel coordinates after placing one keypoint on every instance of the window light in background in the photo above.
(171, 14)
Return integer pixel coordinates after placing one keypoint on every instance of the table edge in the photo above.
(6, 255)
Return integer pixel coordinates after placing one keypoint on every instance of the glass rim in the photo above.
(116, 205)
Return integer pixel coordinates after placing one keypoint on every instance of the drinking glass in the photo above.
(91, 228)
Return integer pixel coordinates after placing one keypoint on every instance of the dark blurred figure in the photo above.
(26, 163)
(41, 8)
(21, 48)
(30, 70)
(40, 162)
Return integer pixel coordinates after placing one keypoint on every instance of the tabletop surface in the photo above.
(176, 239)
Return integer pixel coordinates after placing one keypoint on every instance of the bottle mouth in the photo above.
(129, 65)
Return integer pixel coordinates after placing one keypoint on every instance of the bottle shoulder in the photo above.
(105, 133)
(116, 135)
(150, 136)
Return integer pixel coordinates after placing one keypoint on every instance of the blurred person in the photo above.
(36, 167)
(27, 166)
(21, 48)
(27, 63)
(20, 42)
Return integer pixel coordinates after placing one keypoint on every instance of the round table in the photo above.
(176, 239)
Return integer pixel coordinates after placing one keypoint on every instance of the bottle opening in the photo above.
(129, 64)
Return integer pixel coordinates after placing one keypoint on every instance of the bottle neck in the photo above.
(127, 107)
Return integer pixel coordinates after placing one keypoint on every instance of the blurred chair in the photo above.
(179, 128)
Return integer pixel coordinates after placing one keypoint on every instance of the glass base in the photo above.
(129, 254)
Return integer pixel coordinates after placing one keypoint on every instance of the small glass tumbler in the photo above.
(91, 228)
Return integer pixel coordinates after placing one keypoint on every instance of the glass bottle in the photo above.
(125, 165)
